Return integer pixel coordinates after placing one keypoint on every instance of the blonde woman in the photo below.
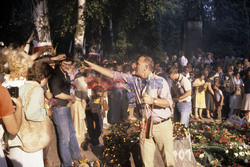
(18, 64)
(37, 77)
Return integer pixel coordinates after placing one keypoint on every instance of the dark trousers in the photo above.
(226, 107)
(94, 131)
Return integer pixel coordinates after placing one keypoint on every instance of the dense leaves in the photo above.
(138, 26)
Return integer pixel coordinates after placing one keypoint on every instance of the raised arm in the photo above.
(107, 72)
(27, 45)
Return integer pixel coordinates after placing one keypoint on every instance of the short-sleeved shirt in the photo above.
(218, 95)
(60, 83)
(186, 85)
(6, 105)
(157, 88)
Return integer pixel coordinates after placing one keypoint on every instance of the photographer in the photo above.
(228, 89)
(182, 91)
(10, 118)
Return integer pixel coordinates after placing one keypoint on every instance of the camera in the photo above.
(14, 91)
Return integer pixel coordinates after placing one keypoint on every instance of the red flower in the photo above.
(197, 154)
(223, 140)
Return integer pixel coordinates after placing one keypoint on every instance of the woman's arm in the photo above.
(196, 83)
(13, 121)
(210, 88)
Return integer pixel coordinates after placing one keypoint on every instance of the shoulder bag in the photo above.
(34, 135)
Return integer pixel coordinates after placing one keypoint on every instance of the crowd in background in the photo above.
(220, 89)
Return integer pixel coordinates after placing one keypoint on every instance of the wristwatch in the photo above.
(155, 101)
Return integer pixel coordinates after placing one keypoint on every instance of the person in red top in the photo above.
(9, 117)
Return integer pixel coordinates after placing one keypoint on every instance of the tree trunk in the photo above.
(41, 21)
(80, 30)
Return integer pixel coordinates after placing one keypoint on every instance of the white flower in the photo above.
(214, 162)
(201, 156)
(236, 154)
(240, 147)
(242, 153)
(247, 153)
(246, 161)
(244, 145)
(226, 151)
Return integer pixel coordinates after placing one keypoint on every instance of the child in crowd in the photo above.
(219, 98)
(94, 114)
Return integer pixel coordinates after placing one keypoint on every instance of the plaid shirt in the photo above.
(155, 86)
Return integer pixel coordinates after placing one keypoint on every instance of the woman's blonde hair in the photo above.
(18, 64)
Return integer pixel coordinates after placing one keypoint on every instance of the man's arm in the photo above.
(64, 96)
(222, 100)
(164, 103)
(107, 72)
(55, 58)
(186, 94)
(164, 98)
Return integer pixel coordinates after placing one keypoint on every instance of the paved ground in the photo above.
(94, 153)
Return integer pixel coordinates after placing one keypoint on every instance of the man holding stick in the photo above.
(154, 101)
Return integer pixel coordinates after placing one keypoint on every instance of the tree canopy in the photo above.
(138, 26)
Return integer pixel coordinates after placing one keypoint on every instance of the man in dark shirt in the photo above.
(228, 88)
(60, 88)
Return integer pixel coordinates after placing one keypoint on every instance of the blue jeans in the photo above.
(182, 113)
(68, 147)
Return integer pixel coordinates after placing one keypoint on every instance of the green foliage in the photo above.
(139, 26)
(227, 29)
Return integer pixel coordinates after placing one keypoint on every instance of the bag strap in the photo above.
(232, 79)
(28, 96)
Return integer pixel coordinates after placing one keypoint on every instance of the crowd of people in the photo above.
(82, 97)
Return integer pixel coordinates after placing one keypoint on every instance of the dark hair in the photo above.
(127, 68)
(39, 71)
(211, 74)
(200, 74)
(172, 70)
(78, 75)
(181, 53)
(67, 59)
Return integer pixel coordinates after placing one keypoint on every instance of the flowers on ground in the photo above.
(221, 145)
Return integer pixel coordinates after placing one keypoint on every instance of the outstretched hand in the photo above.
(60, 57)
(147, 99)
(31, 37)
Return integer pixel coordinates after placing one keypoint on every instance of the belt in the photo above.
(164, 120)
(183, 101)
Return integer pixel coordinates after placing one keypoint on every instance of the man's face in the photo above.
(157, 66)
(119, 68)
(133, 65)
(172, 76)
(141, 67)
(174, 57)
(219, 69)
(65, 65)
